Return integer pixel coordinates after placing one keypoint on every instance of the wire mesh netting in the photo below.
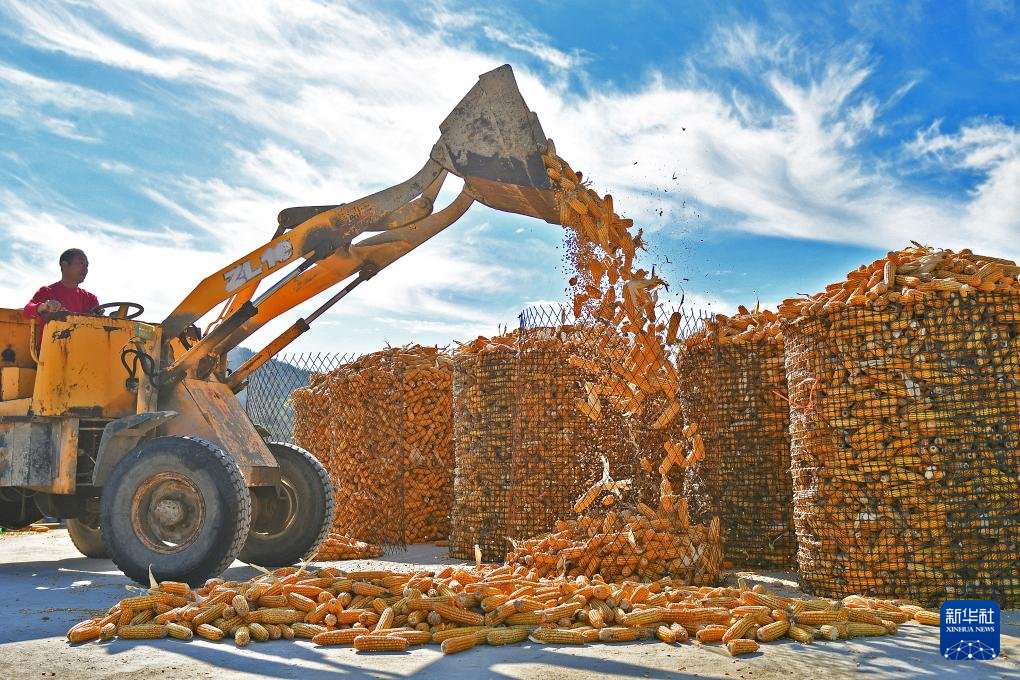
(699, 396)
(268, 394)
(905, 426)
(737, 396)
(382, 427)
(483, 393)
(561, 432)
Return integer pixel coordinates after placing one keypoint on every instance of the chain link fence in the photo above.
(268, 395)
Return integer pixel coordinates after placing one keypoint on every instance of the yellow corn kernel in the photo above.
(618, 634)
(713, 633)
(855, 629)
(740, 627)
(362, 588)
(509, 635)
(208, 614)
(85, 631)
(741, 646)
(338, 637)
(817, 618)
(413, 637)
(772, 631)
(459, 643)
(385, 620)
(558, 636)
(443, 635)
(146, 631)
(179, 631)
(209, 632)
(258, 632)
(240, 605)
(458, 615)
(306, 630)
(801, 634)
(380, 643)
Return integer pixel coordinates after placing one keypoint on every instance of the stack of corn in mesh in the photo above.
(461, 608)
(483, 395)
(560, 430)
(382, 427)
(737, 395)
(905, 424)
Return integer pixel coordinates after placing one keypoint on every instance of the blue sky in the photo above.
(766, 148)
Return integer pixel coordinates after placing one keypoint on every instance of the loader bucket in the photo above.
(494, 143)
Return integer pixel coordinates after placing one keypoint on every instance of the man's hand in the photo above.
(51, 307)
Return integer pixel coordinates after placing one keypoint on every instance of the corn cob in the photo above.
(928, 618)
(458, 615)
(178, 631)
(864, 629)
(413, 637)
(802, 634)
(443, 635)
(208, 614)
(618, 634)
(558, 636)
(242, 636)
(712, 633)
(306, 630)
(208, 631)
(176, 588)
(380, 643)
(741, 646)
(146, 631)
(459, 643)
(831, 632)
(385, 620)
(773, 631)
(83, 632)
(338, 637)
(508, 636)
(816, 618)
(739, 628)
(666, 634)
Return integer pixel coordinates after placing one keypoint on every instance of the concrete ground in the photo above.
(46, 586)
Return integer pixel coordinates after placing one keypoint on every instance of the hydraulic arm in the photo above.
(491, 140)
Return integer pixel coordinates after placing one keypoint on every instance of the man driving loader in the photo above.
(66, 295)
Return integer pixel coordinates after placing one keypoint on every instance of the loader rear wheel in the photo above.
(17, 509)
(177, 504)
(85, 533)
(291, 520)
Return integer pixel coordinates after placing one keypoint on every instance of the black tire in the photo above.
(289, 524)
(178, 504)
(85, 532)
(17, 511)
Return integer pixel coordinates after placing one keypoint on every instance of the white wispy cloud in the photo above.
(31, 102)
(337, 100)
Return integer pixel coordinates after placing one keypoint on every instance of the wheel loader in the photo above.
(132, 430)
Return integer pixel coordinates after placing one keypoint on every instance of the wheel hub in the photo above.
(167, 512)
(274, 509)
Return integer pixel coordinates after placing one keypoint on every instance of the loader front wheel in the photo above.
(85, 533)
(291, 520)
(177, 504)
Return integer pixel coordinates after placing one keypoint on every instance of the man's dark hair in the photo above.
(68, 255)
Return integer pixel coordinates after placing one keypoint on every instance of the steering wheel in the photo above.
(122, 309)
